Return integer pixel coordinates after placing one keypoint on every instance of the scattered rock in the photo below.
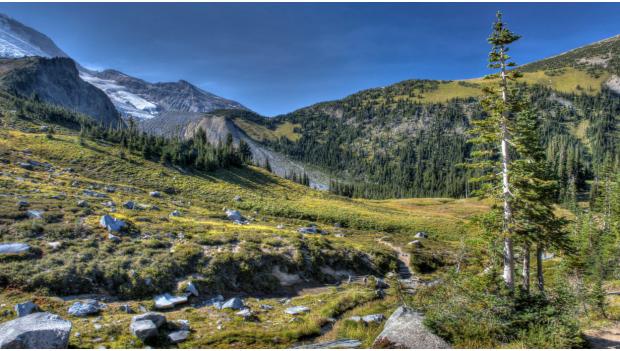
(246, 313)
(296, 310)
(109, 188)
(178, 336)
(26, 308)
(129, 205)
(26, 165)
(165, 301)
(421, 235)
(373, 318)
(236, 217)
(182, 324)
(155, 194)
(237, 198)
(336, 344)
(191, 288)
(111, 224)
(126, 308)
(35, 331)
(280, 226)
(54, 245)
(266, 307)
(94, 194)
(381, 284)
(235, 303)
(175, 213)
(114, 238)
(143, 329)
(82, 203)
(85, 308)
(14, 248)
(34, 214)
(109, 204)
(405, 330)
(22, 204)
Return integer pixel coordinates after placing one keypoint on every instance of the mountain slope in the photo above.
(407, 139)
(139, 99)
(132, 96)
(56, 81)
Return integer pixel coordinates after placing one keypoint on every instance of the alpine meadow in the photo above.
(473, 213)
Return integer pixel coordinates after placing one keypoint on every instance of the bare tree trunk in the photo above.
(526, 267)
(507, 229)
(539, 267)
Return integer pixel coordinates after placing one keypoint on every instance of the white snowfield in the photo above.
(126, 102)
(13, 46)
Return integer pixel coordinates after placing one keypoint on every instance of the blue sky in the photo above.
(275, 58)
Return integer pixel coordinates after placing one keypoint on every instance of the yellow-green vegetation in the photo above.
(71, 254)
(262, 133)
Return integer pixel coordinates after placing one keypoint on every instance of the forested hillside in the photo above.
(408, 139)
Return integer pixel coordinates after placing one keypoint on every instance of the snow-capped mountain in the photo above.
(132, 97)
(18, 40)
(140, 99)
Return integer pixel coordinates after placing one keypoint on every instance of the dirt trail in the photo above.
(403, 260)
(606, 338)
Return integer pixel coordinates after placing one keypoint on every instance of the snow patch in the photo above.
(614, 84)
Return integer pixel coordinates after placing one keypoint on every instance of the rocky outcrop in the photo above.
(35, 331)
(57, 81)
(405, 330)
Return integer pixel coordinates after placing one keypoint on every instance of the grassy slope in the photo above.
(201, 197)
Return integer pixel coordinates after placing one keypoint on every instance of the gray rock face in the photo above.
(404, 330)
(35, 331)
(111, 224)
(14, 248)
(85, 308)
(57, 81)
(336, 344)
(26, 308)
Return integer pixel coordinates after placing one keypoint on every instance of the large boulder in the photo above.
(178, 336)
(405, 330)
(157, 318)
(85, 308)
(14, 248)
(111, 224)
(35, 331)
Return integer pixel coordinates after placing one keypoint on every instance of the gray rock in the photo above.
(373, 318)
(266, 307)
(178, 336)
(166, 301)
(415, 243)
(175, 213)
(14, 248)
(308, 230)
(35, 331)
(381, 284)
(421, 235)
(405, 330)
(237, 198)
(191, 288)
(280, 226)
(246, 313)
(109, 188)
(126, 308)
(111, 224)
(26, 308)
(94, 194)
(236, 217)
(34, 214)
(109, 204)
(129, 205)
(157, 318)
(182, 324)
(235, 303)
(143, 329)
(26, 165)
(85, 308)
(54, 245)
(296, 310)
(23, 203)
(336, 344)
(155, 194)
(82, 203)
(114, 238)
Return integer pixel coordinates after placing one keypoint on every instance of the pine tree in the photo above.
(492, 137)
